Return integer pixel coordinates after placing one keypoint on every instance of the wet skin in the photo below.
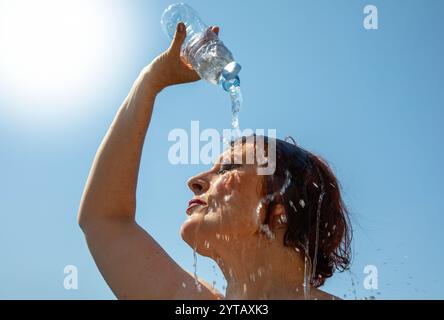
(133, 264)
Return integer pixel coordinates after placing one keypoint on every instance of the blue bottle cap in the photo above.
(228, 84)
(231, 70)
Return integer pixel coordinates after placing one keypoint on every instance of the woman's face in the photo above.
(224, 206)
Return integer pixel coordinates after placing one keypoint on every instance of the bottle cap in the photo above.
(231, 70)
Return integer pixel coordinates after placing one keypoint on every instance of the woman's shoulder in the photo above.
(318, 294)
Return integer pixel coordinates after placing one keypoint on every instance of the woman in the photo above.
(273, 236)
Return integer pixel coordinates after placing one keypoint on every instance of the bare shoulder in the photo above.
(322, 295)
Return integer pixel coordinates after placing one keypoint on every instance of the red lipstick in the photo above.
(194, 203)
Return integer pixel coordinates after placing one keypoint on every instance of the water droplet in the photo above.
(334, 227)
(206, 244)
(292, 206)
(184, 284)
(266, 229)
(283, 218)
(245, 288)
(328, 234)
(286, 183)
(306, 283)
(316, 186)
(326, 225)
(353, 284)
(196, 280)
(302, 203)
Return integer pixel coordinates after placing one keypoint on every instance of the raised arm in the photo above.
(130, 260)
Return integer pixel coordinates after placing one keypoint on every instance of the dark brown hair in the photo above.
(317, 220)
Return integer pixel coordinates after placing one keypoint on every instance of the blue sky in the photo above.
(369, 101)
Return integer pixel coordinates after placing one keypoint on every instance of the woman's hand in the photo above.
(170, 68)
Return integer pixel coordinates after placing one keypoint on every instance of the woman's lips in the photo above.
(194, 203)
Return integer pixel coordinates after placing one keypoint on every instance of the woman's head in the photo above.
(299, 204)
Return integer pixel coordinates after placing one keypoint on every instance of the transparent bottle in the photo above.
(202, 48)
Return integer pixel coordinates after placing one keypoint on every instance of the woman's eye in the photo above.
(222, 170)
(226, 168)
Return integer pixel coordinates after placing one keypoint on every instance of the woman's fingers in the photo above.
(178, 39)
(215, 29)
(181, 34)
(186, 73)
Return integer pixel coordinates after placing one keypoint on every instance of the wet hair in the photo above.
(317, 220)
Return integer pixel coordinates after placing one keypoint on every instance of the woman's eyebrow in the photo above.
(231, 165)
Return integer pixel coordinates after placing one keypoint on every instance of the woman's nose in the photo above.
(198, 185)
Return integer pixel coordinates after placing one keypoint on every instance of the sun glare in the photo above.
(53, 48)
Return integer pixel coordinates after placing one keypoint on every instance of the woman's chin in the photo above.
(195, 232)
(190, 228)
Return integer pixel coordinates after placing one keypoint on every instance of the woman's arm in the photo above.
(130, 260)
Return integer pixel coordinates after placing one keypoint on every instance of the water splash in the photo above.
(266, 229)
(270, 197)
(286, 183)
(318, 217)
(215, 275)
(196, 279)
(306, 283)
(236, 102)
(353, 283)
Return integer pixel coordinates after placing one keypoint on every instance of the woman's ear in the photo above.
(278, 216)
(278, 210)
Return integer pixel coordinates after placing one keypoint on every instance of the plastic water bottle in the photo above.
(202, 48)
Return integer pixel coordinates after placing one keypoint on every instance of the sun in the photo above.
(52, 49)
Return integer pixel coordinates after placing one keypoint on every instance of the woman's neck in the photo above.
(262, 269)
